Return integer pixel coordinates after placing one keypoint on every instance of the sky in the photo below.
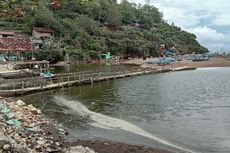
(209, 20)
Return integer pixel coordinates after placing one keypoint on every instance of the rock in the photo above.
(106, 144)
(39, 112)
(32, 135)
(32, 125)
(34, 110)
(19, 116)
(20, 103)
(6, 147)
(57, 143)
(80, 149)
(49, 150)
(17, 137)
(41, 142)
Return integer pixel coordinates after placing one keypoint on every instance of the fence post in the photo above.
(61, 78)
(51, 82)
(91, 80)
(22, 85)
(41, 82)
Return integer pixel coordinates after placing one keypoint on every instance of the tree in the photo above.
(53, 50)
(128, 12)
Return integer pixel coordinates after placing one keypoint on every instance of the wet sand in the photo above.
(102, 146)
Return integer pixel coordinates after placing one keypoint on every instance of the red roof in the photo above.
(43, 30)
(7, 33)
(15, 44)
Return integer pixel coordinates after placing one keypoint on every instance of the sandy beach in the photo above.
(213, 62)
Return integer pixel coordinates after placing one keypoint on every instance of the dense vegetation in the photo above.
(87, 28)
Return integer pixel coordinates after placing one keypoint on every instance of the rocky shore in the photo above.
(104, 146)
(25, 130)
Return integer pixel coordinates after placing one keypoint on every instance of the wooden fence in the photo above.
(35, 84)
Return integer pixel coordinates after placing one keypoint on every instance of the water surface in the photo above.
(188, 109)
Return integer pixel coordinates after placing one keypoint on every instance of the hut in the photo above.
(41, 32)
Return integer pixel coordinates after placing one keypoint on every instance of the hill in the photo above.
(88, 28)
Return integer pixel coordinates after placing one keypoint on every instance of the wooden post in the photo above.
(61, 78)
(22, 85)
(75, 77)
(41, 82)
(68, 80)
(51, 82)
(34, 83)
(91, 80)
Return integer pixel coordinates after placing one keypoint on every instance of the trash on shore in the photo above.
(27, 130)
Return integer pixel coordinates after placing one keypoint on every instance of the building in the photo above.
(7, 34)
(11, 43)
(41, 33)
(17, 44)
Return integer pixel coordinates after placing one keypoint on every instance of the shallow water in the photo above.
(187, 110)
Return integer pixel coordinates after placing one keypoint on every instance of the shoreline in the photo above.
(38, 134)
(212, 62)
(24, 129)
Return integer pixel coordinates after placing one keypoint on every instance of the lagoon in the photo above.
(186, 110)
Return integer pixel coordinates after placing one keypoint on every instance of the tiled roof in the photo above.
(15, 44)
(7, 33)
(41, 29)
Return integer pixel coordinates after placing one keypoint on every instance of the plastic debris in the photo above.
(29, 132)
(34, 129)
(10, 115)
(14, 122)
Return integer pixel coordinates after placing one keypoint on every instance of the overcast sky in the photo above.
(208, 19)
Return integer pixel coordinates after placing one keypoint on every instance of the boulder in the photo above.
(34, 110)
(20, 103)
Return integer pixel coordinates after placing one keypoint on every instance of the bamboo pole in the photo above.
(51, 82)
(91, 80)
(75, 77)
(22, 85)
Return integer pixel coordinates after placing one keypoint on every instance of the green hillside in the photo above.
(89, 27)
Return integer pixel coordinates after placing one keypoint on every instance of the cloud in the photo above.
(221, 20)
(208, 19)
(210, 37)
(208, 34)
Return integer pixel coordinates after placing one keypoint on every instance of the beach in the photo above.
(213, 62)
